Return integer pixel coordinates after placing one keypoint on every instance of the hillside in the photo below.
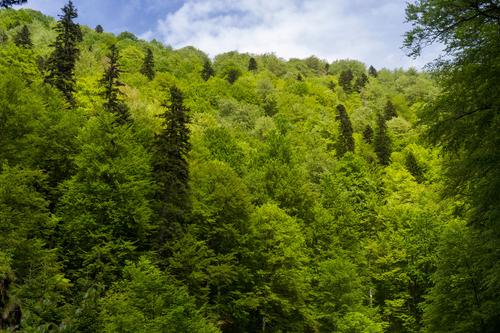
(244, 193)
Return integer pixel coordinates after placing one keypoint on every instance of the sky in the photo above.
(367, 30)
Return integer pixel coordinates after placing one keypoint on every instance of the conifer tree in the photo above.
(331, 85)
(207, 71)
(382, 141)
(148, 67)
(252, 64)
(368, 134)
(390, 110)
(372, 71)
(10, 3)
(232, 75)
(99, 29)
(414, 168)
(361, 82)
(61, 63)
(23, 38)
(170, 166)
(111, 84)
(345, 141)
(345, 80)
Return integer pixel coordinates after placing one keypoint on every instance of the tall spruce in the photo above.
(23, 38)
(148, 66)
(170, 166)
(252, 64)
(372, 71)
(345, 80)
(207, 71)
(389, 110)
(345, 141)
(10, 3)
(368, 134)
(111, 84)
(382, 141)
(61, 63)
(361, 82)
(414, 167)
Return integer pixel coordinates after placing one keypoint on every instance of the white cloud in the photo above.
(367, 30)
(370, 31)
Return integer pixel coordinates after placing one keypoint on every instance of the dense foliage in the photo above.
(146, 189)
(464, 120)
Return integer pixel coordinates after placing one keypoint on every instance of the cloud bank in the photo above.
(366, 30)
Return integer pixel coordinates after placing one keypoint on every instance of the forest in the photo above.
(151, 189)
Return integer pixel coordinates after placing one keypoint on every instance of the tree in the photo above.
(207, 71)
(232, 75)
(277, 256)
(368, 134)
(331, 85)
(148, 66)
(463, 120)
(339, 294)
(220, 211)
(414, 167)
(109, 193)
(32, 284)
(458, 301)
(382, 142)
(149, 300)
(372, 71)
(345, 141)
(10, 3)
(23, 38)
(389, 110)
(361, 82)
(252, 64)
(111, 84)
(99, 29)
(345, 80)
(61, 63)
(170, 166)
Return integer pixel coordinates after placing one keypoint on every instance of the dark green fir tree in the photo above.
(23, 38)
(345, 80)
(368, 134)
(111, 84)
(414, 167)
(252, 64)
(232, 75)
(207, 71)
(148, 66)
(61, 63)
(170, 166)
(331, 85)
(382, 141)
(361, 82)
(372, 71)
(390, 110)
(345, 140)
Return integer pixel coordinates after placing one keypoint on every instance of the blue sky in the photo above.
(366, 30)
